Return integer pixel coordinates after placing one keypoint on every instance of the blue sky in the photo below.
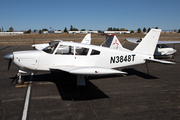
(89, 14)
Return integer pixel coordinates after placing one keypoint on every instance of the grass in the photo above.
(29, 39)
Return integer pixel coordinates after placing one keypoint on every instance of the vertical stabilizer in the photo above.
(148, 44)
(87, 39)
(113, 42)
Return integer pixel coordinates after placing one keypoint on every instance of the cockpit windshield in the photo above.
(50, 49)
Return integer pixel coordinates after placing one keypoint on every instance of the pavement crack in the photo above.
(4, 110)
(93, 110)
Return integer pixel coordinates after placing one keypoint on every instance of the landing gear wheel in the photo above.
(172, 57)
(20, 81)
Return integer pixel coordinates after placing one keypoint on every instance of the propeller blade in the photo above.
(9, 64)
(13, 79)
(9, 57)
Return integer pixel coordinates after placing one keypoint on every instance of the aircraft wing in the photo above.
(132, 40)
(87, 70)
(168, 42)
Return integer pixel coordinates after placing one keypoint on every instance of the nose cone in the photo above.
(9, 56)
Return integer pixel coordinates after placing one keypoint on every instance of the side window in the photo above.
(81, 50)
(95, 52)
(65, 50)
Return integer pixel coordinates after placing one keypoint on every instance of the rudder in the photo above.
(148, 44)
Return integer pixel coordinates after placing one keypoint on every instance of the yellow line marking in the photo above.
(20, 86)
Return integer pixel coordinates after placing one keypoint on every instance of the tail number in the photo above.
(120, 59)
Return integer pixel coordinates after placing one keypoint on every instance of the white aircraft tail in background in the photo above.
(87, 39)
(162, 50)
(113, 42)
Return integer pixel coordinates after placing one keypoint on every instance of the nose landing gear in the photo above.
(18, 78)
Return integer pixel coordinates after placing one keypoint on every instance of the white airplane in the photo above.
(90, 60)
(86, 40)
(162, 50)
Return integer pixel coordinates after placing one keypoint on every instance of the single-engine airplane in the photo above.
(83, 59)
(162, 50)
(86, 40)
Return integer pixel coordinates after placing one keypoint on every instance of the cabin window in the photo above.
(65, 50)
(95, 52)
(81, 50)
(50, 49)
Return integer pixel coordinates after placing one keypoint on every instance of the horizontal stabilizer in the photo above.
(161, 61)
(168, 42)
(87, 70)
(132, 40)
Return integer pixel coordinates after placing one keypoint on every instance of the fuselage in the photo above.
(75, 54)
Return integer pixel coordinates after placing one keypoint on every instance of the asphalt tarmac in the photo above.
(54, 96)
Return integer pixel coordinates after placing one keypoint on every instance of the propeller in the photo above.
(9, 57)
(13, 79)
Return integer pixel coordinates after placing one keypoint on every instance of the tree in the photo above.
(109, 29)
(83, 29)
(122, 29)
(65, 29)
(148, 29)
(11, 29)
(115, 29)
(45, 29)
(144, 29)
(138, 30)
(179, 31)
(132, 31)
(99, 31)
(35, 31)
(29, 31)
(156, 27)
(71, 29)
(40, 31)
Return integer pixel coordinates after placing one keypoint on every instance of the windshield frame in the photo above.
(51, 48)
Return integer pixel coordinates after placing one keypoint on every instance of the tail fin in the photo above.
(113, 42)
(148, 44)
(87, 39)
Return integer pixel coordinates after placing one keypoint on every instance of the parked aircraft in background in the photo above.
(84, 59)
(86, 40)
(162, 50)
